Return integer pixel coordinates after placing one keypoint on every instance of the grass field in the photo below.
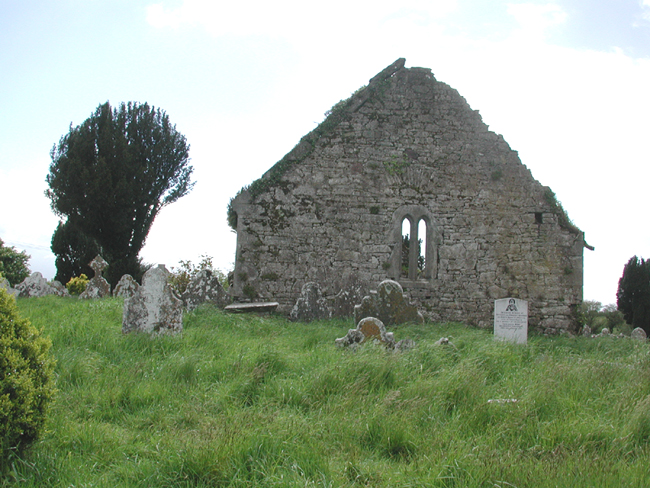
(243, 401)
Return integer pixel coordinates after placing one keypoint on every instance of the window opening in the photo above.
(406, 255)
(539, 218)
(414, 255)
(422, 245)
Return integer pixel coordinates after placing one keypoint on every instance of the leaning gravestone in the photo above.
(36, 286)
(154, 308)
(126, 287)
(204, 288)
(310, 305)
(97, 287)
(389, 305)
(511, 320)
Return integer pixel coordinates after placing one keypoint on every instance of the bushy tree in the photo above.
(74, 251)
(26, 379)
(111, 175)
(13, 264)
(633, 295)
(181, 276)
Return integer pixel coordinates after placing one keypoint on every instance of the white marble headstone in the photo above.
(511, 320)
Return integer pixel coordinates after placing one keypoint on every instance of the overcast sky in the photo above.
(566, 82)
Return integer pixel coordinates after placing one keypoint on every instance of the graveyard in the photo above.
(390, 322)
(241, 399)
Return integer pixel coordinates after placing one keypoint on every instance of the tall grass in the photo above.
(243, 401)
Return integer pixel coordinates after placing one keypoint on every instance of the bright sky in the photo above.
(565, 81)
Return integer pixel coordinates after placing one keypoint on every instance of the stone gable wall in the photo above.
(409, 146)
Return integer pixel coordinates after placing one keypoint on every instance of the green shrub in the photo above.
(77, 285)
(26, 380)
(181, 276)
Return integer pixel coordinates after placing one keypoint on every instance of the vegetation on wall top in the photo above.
(338, 113)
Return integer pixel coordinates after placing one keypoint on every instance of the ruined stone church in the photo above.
(404, 181)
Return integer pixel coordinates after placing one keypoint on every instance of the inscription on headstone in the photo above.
(511, 320)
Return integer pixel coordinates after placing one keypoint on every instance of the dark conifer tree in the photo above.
(111, 175)
(74, 251)
(633, 295)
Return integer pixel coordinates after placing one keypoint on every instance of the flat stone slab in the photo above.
(252, 307)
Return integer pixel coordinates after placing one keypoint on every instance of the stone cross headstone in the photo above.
(97, 287)
(154, 308)
(511, 320)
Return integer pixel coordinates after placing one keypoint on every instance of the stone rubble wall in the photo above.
(410, 142)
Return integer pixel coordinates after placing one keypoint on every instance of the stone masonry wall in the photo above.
(409, 146)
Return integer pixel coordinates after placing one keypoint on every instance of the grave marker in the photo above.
(511, 320)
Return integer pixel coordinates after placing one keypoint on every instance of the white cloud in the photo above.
(645, 6)
(294, 18)
(535, 19)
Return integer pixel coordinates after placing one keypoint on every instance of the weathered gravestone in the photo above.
(638, 334)
(204, 288)
(60, 288)
(154, 308)
(37, 286)
(126, 287)
(511, 320)
(97, 287)
(368, 328)
(311, 305)
(352, 292)
(4, 284)
(389, 305)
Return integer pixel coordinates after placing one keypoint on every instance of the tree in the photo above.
(13, 264)
(111, 175)
(633, 294)
(74, 251)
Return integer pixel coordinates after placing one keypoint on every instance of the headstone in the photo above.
(154, 308)
(126, 287)
(310, 305)
(511, 320)
(36, 286)
(4, 284)
(352, 291)
(639, 334)
(97, 287)
(368, 328)
(405, 345)
(204, 288)
(60, 288)
(389, 305)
